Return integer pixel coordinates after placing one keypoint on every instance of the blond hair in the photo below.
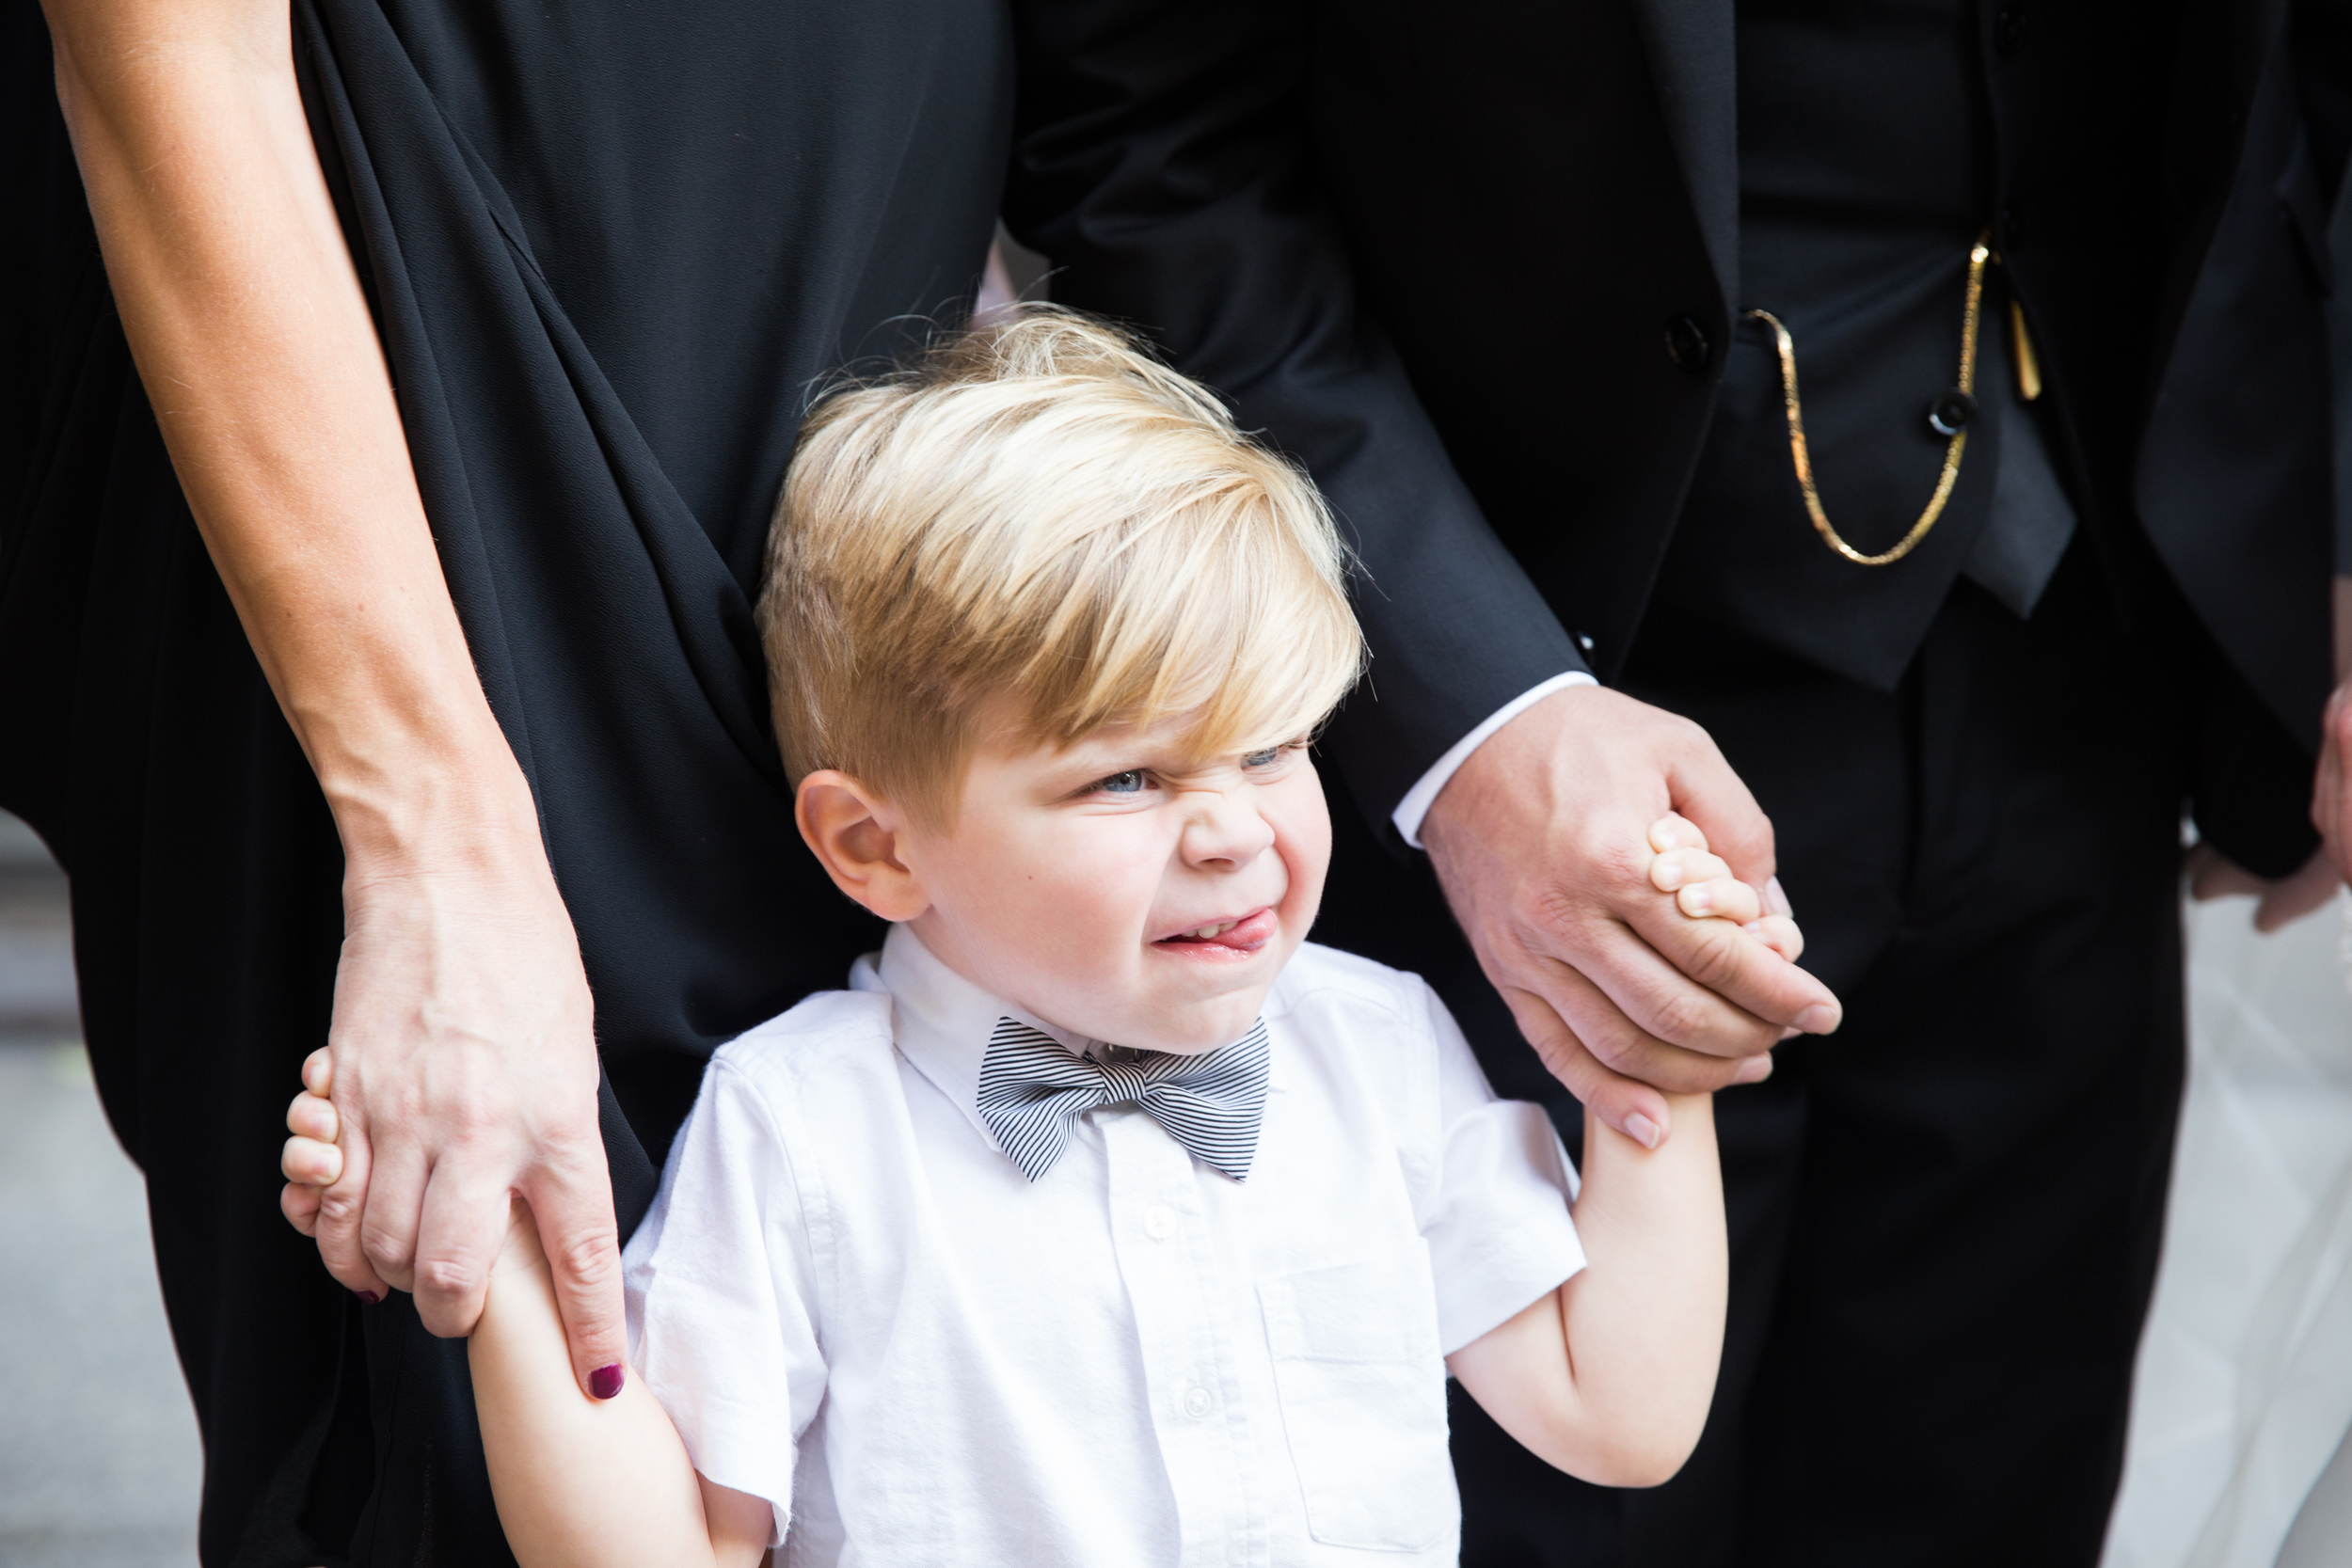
(1042, 524)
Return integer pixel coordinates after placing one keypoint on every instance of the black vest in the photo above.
(1877, 141)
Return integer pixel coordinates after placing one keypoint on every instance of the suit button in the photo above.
(2009, 29)
(2012, 229)
(1686, 342)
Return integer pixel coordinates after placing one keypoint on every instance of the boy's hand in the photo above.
(312, 1162)
(1705, 889)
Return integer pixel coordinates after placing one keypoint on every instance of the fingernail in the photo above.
(368, 1298)
(1668, 876)
(1754, 1070)
(1642, 1129)
(605, 1382)
(1819, 1019)
(1699, 900)
(1776, 898)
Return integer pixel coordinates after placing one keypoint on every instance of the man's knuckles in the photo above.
(1720, 956)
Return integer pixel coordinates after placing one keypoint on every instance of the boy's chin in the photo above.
(1198, 1031)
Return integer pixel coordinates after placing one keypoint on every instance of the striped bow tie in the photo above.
(1031, 1090)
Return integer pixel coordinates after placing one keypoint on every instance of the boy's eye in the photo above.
(1130, 783)
(1267, 758)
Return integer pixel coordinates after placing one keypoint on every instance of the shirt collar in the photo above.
(942, 1021)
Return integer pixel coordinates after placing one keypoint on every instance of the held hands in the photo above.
(1543, 843)
(312, 1163)
(464, 1074)
(1705, 889)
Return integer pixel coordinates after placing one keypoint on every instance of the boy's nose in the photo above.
(1224, 826)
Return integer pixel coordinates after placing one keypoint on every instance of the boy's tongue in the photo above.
(1246, 935)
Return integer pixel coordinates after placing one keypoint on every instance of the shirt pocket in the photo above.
(1361, 1382)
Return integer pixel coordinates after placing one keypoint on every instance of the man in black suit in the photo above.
(2031, 556)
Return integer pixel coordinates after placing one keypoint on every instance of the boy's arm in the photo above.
(1609, 1377)
(579, 1482)
(582, 1481)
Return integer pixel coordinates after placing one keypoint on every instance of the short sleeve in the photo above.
(1498, 1232)
(721, 1304)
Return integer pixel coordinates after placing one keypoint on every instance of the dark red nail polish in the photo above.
(368, 1297)
(605, 1382)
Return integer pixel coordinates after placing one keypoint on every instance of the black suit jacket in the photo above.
(1444, 254)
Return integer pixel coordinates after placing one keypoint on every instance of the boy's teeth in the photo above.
(1205, 932)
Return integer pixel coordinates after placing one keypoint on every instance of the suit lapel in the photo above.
(1692, 60)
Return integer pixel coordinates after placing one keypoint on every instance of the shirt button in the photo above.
(1198, 1401)
(1159, 1222)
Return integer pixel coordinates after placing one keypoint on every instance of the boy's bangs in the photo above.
(1244, 632)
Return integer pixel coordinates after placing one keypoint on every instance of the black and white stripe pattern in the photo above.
(1031, 1090)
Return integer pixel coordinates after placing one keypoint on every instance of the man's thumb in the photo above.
(1705, 789)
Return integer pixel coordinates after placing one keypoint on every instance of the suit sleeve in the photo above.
(1162, 163)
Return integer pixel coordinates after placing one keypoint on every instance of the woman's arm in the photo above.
(1609, 1377)
(462, 1018)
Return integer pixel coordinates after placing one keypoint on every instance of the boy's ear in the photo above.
(855, 834)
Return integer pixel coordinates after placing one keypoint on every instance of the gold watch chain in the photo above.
(1956, 445)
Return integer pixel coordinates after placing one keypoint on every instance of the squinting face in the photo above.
(1122, 890)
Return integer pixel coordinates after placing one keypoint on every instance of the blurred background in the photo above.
(99, 1462)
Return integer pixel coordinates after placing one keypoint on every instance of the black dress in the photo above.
(611, 249)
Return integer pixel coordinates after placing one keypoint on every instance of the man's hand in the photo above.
(2213, 875)
(2332, 793)
(2283, 901)
(1542, 842)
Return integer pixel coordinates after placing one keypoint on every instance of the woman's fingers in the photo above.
(318, 1072)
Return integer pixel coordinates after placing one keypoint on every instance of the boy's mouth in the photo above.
(1243, 934)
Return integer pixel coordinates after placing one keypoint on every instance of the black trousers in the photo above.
(1944, 1218)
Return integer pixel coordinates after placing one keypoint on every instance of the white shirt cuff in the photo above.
(1418, 799)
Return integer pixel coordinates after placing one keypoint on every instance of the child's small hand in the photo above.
(312, 1163)
(1705, 889)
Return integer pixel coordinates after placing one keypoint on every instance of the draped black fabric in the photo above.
(614, 250)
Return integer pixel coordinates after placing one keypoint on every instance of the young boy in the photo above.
(1100, 1221)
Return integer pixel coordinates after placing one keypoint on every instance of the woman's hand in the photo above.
(312, 1162)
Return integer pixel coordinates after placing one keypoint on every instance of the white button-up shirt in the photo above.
(855, 1305)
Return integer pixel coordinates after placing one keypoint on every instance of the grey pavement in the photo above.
(98, 1459)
